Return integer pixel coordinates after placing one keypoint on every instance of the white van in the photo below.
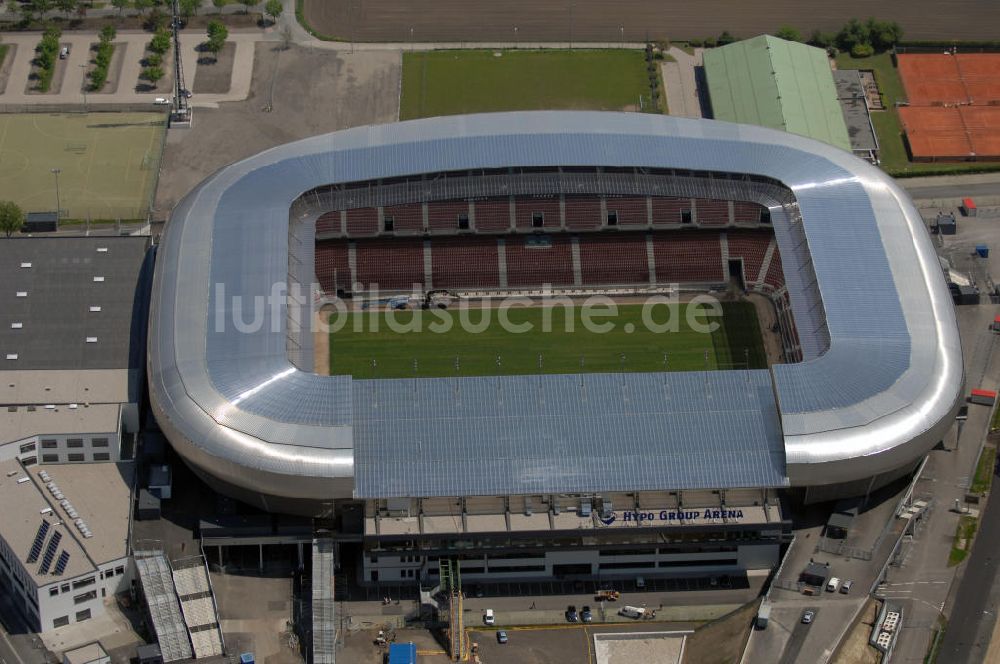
(489, 618)
(832, 585)
(632, 612)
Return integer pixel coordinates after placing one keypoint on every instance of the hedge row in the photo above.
(102, 61)
(48, 51)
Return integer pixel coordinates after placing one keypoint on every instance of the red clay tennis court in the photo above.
(954, 110)
(950, 133)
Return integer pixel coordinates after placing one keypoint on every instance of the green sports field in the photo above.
(107, 162)
(452, 82)
(630, 345)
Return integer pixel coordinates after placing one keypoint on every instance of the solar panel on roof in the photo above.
(61, 563)
(50, 553)
(36, 546)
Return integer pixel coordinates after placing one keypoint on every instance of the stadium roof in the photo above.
(776, 83)
(882, 379)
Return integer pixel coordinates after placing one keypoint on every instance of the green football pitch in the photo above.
(107, 162)
(364, 344)
(452, 82)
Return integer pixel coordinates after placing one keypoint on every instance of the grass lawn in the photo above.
(107, 162)
(892, 149)
(962, 544)
(453, 82)
(984, 470)
(356, 344)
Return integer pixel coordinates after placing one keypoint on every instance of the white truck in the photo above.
(632, 612)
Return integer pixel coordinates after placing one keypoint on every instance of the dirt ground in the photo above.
(6, 65)
(854, 649)
(314, 91)
(721, 641)
(215, 74)
(634, 20)
(767, 317)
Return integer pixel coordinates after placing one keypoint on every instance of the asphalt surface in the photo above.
(634, 20)
(798, 638)
(975, 608)
(924, 191)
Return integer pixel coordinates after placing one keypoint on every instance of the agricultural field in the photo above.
(543, 340)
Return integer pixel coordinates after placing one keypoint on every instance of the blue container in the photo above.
(246, 658)
(403, 653)
(983, 250)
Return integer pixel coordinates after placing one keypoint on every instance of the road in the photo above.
(798, 637)
(974, 612)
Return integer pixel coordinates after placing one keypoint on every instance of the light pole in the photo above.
(516, 42)
(621, 32)
(56, 172)
(84, 68)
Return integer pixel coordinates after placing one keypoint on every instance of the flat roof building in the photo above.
(776, 83)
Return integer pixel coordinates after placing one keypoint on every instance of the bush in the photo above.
(160, 43)
(695, 43)
(47, 51)
(821, 39)
(879, 35)
(862, 51)
(108, 33)
(725, 38)
(152, 74)
(711, 42)
(789, 33)
(102, 61)
(154, 60)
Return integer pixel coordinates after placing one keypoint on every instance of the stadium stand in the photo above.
(542, 212)
(627, 211)
(689, 256)
(362, 222)
(328, 223)
(391, 264)
(712, 213)
(333, 269)
(403, 219)
(751, 247)
(492, 215)
(614, 258)
(583, 213)
(445, 215)
(535, 260)
(775, 277)
(747, 213)
(465, 262)
(668, 211)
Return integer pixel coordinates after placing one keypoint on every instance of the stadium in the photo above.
(539, 473)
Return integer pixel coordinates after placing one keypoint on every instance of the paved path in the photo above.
(134, 43)
(681, 83)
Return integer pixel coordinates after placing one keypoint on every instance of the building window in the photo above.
(50, 458)
(27, 447)
(120, 570)
(64, 588)
(53, 591)
(62, 621)
(74, 442)
(83, 615)
(102, 456)
(463, 222)
(75, 456)
(686, 216)
(29, 461)
(49, 443)
(85, 597)
(388, 223)
(99, 442)
(83, 583)
(537, 219)
(612, 218)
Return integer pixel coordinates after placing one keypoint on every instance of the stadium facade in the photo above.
(680, 469)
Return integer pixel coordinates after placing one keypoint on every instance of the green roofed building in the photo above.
(776, 83)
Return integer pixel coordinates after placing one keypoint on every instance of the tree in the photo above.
(153, 74)
(273, 8)
(725, 38)
(189, 7)
(852, 33)
(108, 34)
(143, 5)
(862, 51)
(883, 35)
(11, 218)
(217, 35)
(219, 4)
(160, 43)
(120, 5)
(821, 39)
(789, 33)
(67, 6)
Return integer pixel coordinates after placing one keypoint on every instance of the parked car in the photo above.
(64, 53)
(807, 617)
(845, 587)
(501, 636)
(161, 101)
(489, 618)
(571, 615)
(586, 616)
(832, 585)
(186, 94)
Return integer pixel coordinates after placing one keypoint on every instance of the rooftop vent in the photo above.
(25, 264)
(22, 293)
(91, 340)
(98, 278)
(11, 356)
(102, 250)
(16, 326)
(95, 308)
